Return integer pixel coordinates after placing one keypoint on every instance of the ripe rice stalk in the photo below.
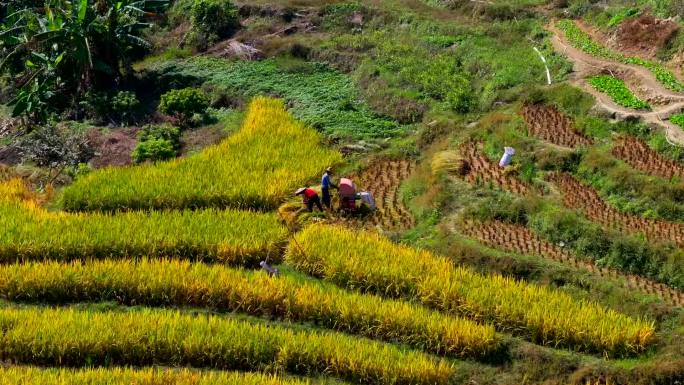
(156, 282)
(257, 168)
(69, 337)
(30, 232)
(25, 375)
(371, 263)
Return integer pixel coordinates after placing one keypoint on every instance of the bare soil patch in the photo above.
(112, 148)
(639, 155)
(551, 125)
(644, 36)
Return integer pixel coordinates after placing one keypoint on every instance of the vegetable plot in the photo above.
(618, 91)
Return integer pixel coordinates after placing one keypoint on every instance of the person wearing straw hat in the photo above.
(310, 198)
(326, 184)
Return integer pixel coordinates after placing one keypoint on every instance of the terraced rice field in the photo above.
(370, 263)
(521, 240)
(286, 298)
(639, 155)
(383, 178)
(578, 196)
(481, 170)
(268, 173)
(551, 125)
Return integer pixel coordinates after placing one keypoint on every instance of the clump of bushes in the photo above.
(212, 20)
(157, 143)
(122, 106)
(183, 104)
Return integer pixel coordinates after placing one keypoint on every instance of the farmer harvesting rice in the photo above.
(326, 183)
(310, 198)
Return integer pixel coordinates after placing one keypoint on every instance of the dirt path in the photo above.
(519, 239)
(383, 179)
(639, 79)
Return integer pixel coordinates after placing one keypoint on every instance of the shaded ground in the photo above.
(112, 148)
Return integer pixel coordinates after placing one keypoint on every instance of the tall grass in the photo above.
(371, 263)
(25, 375)
(256, 168)
(30, 232)
(180, 283)
(69, 337)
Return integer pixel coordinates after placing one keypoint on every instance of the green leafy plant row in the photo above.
(23, 375)
(618, 91)
(153, 282)
(583, 41)
(70, 337)
(257, 168)
(369, 262)
(678, 119)
(236, 237)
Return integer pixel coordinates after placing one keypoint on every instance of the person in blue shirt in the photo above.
(326, 184)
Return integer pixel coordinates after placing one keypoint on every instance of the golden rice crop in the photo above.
(181, 283)
(75, 338)
(26, 375)
(235, 237)
(257, 168)
(371, 263)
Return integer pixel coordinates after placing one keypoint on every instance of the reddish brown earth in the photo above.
(521, 240)
(639, 155)
(578, 196)
(112, 148)
(551, 125)
(644, 36)
(481, 170)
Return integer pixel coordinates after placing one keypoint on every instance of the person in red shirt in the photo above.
(311, 198)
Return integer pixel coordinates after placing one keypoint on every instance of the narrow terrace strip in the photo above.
(551, 125)
(25, 375)
(368, 262)
(521, 240)
(482, 170)
(157, 283)
(578, 196)
(75, 338)
(639, 155)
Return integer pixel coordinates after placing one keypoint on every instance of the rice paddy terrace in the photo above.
(564, 267)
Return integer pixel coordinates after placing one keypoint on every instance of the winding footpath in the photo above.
(639, 79)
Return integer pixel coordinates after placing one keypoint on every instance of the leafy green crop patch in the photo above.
(618, 91)
(678, 120)
(319, 96)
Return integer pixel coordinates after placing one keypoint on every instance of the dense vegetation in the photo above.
(150, 150)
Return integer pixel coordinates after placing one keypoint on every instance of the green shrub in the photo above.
(213, 20)
(153, 150)
(678, 120)
(162, 131)
(125, 104)
(184, 103)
